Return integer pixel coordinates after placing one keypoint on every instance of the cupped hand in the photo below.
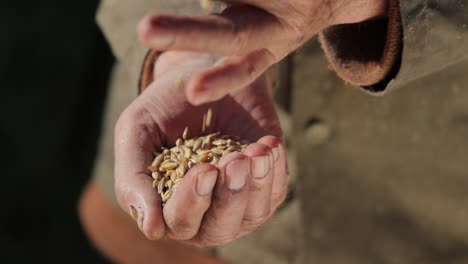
(253, 34)
(213, 205)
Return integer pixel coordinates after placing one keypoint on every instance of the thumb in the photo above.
(133, 184)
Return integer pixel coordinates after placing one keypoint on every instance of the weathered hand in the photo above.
(254, 34)
(213, 205)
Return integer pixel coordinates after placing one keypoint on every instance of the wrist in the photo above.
(348, 12)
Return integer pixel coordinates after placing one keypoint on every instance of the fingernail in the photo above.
(260, 166)
(237, 172)
(206, 182)
(133, 213)
(136, 217)
(275, 153)
(161, 37)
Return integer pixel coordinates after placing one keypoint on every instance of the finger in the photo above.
(184, 211)
(227, 76)
(172, 61)
(281, 175)
(261, 167)
(135, 140)
(222, 221)
(240, 29)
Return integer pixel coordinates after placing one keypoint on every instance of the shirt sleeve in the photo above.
(417, 38)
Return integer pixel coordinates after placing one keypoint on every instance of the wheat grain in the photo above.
(171, 164)
(209, 115)
(133, 213)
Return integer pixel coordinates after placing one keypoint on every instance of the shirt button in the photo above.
(317, 132)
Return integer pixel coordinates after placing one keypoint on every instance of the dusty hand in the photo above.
(254, 34)
(213, 205)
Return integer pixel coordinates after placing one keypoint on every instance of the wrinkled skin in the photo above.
(253, 34)
(213, 205)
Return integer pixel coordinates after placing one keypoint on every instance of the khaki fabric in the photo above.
(118, 20)
(383, 179)
(120, 96)
(379, 179)
(435, 37)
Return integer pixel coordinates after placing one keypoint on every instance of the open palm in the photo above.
(213, 205)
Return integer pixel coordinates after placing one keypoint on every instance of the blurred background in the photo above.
(54, 69)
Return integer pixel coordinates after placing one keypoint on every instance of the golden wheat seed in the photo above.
(203, 157)
(156, 162)
(180, 157)
(166, 196)
(215, 160)
(169, 184)
(185, 133)
(161, 185)
(180, 84)
(217, 151)
(166, 160)
(197, 144)
(183, 169)
(133, 213)
(176, 181)
(202, 152)
(179, 142)
(189, 143)
(169, 166)
(178, 171)
(155, 183)
(187, 152)
(173, 175)
(219, 142)
(209, 139)
(209, 115)
(156, 175)
(204, 123)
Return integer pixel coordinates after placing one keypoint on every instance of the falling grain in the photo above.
(204, 124)
(209, 115)
(185, 133)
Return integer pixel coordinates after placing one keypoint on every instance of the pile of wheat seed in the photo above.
(171, 164)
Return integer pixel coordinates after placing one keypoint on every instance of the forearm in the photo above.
(118, 237)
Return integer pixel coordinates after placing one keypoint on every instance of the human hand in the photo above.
(254, 34)
(213, 205)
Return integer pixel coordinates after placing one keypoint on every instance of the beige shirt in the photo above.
(382, 179)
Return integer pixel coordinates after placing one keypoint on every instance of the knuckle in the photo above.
(299, 35)
(181, 228)
(251, 69)
(216, 240)
(297, 32)
(181, 234)
(251, 222)
(241, 39)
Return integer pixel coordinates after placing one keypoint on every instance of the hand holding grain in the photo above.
(214, 203)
